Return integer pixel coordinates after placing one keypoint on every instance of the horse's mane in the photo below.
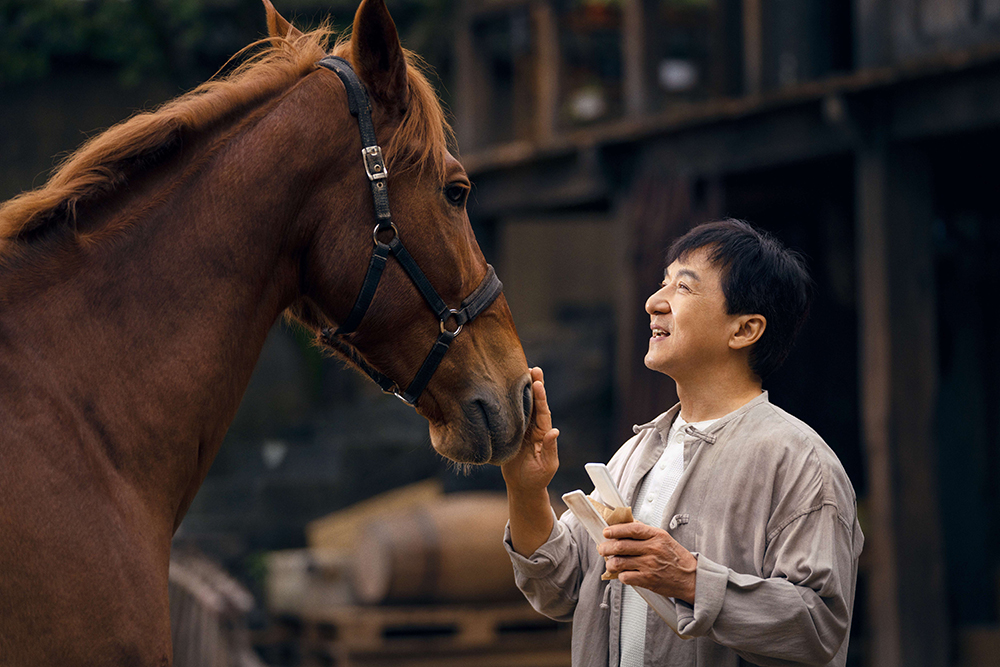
(106, 162)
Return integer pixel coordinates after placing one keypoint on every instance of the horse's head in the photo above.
(478, 400)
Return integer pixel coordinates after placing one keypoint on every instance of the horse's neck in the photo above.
(219, 284)
(151, 341)
(148, 343)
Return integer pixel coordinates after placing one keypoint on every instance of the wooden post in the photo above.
(633, 41)
(877, 29)
(906, 586)
(546, 47)
(753, 47)
(469, 86)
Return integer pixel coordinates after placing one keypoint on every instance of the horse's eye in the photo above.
(456, 193)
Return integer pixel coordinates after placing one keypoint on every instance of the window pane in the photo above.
(590, 47)
(679, 45)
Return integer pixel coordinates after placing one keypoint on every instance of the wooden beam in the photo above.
(633, 41)
(875, 389)
(753, 47)
(962, 101)
(906, 586)
(569, 180)
(782, 137)
(871, 47)
(954, 92)
(546, 48)
(468, 85)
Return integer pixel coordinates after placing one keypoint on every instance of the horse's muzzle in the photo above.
(495, 426)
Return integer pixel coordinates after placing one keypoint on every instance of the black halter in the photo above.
(474, 304)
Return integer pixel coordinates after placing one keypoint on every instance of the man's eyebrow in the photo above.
(683, 272)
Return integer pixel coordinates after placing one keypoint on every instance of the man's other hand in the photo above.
(649, 557)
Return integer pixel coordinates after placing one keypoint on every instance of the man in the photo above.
(745, 517)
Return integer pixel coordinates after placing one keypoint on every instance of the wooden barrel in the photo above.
(448, 551)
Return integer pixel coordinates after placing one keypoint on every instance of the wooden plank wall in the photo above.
(907, 600)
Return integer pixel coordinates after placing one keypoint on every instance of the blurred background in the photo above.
(864, 133)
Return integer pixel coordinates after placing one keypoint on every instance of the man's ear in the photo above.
(277, 25)
(749, 329)
(378, 56)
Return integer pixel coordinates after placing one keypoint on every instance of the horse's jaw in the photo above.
(466, 449)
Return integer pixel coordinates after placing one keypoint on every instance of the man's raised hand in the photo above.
(538, 459)
(528, 475)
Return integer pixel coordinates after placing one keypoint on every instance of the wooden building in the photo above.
(863, 133)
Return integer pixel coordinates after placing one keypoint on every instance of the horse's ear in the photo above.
(378, 56)
(277, 25)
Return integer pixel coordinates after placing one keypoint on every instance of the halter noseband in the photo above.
(472, 306)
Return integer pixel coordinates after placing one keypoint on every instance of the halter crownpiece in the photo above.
(451, 319)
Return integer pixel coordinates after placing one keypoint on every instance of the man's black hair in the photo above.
(759, 276)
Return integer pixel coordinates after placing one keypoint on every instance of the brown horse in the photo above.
(137, 288)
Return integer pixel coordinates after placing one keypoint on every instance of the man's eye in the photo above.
(456, 193)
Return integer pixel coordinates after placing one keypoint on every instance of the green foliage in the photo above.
(184, 40)
(155, 37)
(255, 567)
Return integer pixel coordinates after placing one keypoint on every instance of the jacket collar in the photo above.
(663, 422)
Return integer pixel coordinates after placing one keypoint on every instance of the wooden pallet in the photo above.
(506, 635)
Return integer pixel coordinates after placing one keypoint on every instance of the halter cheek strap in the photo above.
(451, 319)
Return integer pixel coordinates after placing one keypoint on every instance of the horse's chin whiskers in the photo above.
(463, 469)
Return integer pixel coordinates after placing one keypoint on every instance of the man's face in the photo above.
(690, 330)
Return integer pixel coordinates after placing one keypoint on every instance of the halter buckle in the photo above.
(374, 164)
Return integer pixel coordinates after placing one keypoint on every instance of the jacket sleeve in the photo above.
(800, 612)
(550, 578)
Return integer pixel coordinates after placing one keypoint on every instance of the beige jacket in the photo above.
(769, 511)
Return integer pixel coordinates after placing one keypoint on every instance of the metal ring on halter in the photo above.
(451, 313)
(394, 390)
(380, 227)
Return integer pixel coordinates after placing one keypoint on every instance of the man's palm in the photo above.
(537, 461)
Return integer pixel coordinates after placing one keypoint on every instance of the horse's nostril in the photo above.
(528, 399)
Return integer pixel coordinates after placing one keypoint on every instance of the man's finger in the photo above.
(634, 578)
(543, 418)
(611, 548)
(630, 531)
(541, 399)
(616, 564)
(550, 447)
(538, 391)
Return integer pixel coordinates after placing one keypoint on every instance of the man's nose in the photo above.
(657, 302)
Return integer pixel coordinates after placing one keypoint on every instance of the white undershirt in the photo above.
(653, 493)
